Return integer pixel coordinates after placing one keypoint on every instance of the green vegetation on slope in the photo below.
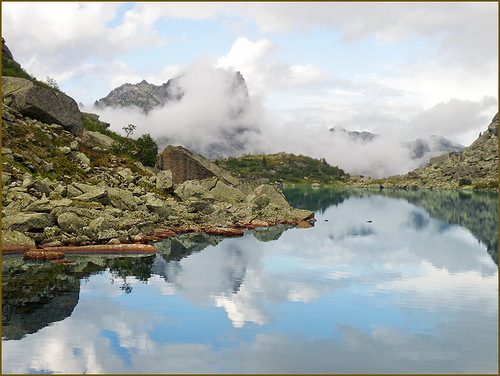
(142, 149)
(288, 168)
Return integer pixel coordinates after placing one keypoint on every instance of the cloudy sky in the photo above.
(415, 68)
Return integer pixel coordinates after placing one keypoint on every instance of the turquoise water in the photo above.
(384, 282)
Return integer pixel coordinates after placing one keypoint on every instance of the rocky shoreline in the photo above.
(64, 189)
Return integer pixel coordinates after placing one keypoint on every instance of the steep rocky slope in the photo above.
(476, 167)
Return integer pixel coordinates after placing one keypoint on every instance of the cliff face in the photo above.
(476, 166)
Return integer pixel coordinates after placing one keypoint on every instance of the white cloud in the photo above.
(56, 38)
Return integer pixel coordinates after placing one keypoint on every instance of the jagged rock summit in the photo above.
(148, 96)
(144, 95)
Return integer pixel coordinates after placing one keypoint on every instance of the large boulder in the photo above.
(186, 165)
(41, 103)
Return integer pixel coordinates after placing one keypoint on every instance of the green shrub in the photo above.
(464, 181)
(147, 150)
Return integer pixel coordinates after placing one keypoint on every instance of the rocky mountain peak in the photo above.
(148, 96)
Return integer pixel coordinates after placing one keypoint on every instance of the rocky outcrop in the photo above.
(186, 165)
(476, 166)
(41, 103)
(144, 95)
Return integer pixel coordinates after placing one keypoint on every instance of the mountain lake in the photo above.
(385, 282)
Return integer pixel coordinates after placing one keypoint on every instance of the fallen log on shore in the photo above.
(100, 248)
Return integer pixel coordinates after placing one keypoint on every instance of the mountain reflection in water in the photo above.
(386, 281)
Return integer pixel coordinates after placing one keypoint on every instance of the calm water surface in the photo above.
(384, 282)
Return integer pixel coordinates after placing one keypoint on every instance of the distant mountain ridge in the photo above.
(423, 148)
(355, 136)
(431, 146)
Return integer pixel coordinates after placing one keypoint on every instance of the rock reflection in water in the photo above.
(390, 283)
(37, 294)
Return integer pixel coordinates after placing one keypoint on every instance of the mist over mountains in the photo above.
(209, 110)
(204, 109)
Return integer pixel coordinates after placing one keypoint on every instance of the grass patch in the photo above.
(289, 168)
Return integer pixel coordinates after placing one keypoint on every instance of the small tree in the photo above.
(52, 83)
(129, 129)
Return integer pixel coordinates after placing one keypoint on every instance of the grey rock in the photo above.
(122, 199)
(164, 180)
(126, 174)
(71, 222)
(273, 193)
(40, 103)
(97, 139)
(16, 237)
(224, 192)
(97, 194)
(45, 205)
(156, 205)
(73, 145)
(82, 158)
(27, 221)
(64, 149)
(190, 188)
